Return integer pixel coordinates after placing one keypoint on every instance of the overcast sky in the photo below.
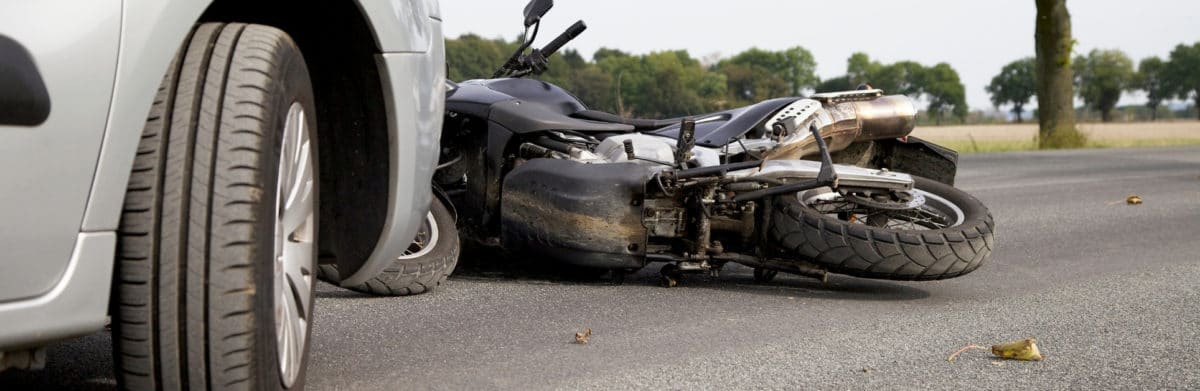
(976, 37)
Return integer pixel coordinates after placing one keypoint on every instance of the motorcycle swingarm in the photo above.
(847, 176)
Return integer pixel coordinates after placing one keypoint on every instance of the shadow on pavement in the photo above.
(733, 278)
(83, 363)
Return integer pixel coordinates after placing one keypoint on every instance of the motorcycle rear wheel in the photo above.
(426, 264)
(949, 235)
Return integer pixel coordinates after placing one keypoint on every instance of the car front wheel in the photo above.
(216, 265)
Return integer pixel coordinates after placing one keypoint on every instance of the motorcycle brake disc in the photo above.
(915, 200)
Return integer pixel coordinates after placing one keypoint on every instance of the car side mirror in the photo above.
(535, 9)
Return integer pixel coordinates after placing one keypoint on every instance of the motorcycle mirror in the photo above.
(535, 9)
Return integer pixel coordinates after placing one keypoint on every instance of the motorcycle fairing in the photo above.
(526, 105)
(583, 214)
(720, 128)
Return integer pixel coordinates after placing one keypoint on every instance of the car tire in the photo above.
(422, 268)
(213, 287)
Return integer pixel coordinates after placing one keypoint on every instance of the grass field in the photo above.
(1020, 137)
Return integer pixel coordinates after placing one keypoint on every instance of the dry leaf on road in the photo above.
(582, 338)
(1025, 349)
(1133, 199)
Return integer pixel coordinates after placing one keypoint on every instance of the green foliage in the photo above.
(945, 92)
(660, 84)
(1101, 77)
(904, 77)
(473, 57)
(1151, 79)
(755, 74)
(1016, 85)
(1183, 72)
(840, 83)
(938, 84)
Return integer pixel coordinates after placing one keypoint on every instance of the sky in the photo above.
(976, 37)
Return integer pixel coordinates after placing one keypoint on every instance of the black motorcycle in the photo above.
(531, 169)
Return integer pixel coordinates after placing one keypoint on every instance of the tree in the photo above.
(1102, 75)
(473, 57)
(1015, 85)
(604, 53)
(1055, 92)
(904, 77)
(748, 84)
(945, 92)
(860, 68)
(757, 74)
(840, 83)
(1150, 78)
(661, 84)
(800, 69)
(1183, 72)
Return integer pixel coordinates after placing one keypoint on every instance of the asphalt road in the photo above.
(1111, 291)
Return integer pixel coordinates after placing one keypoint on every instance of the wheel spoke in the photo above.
(297, 215)
(299, 204)
(294, 254)
(885, 213)
(298, 276)
(427, 238)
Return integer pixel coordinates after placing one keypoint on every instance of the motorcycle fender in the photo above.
(586, 215)
(918, 157)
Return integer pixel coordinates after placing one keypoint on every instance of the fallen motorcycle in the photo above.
(531, 169)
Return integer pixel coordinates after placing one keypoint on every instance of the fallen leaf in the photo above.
(582, 338)
(997, 363)
(1133, 199)
(1025, 349)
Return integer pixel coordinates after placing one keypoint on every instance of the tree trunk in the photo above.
(1197, 106)
(1017, 110)
(1055, 92)
(1153, 112)
(1106, 115)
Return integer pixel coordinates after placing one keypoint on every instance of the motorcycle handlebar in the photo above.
(563, 38)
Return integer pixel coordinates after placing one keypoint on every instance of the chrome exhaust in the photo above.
(843, 118)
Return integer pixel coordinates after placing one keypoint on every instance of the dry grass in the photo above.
(1020, 137)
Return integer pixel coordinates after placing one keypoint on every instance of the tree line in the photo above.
(1102, 75)
(673, 83)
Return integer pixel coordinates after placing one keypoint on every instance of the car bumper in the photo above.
(77, 305)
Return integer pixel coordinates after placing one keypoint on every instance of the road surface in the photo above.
(1111, 291)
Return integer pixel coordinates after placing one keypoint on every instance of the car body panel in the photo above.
(47, 169)
(402, 25)
(153, 32)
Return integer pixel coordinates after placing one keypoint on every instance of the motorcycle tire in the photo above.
(848, 246)
(424, 267)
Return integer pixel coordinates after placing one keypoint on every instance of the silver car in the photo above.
(172, 164)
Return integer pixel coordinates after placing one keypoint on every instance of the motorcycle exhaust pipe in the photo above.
(891, 116)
